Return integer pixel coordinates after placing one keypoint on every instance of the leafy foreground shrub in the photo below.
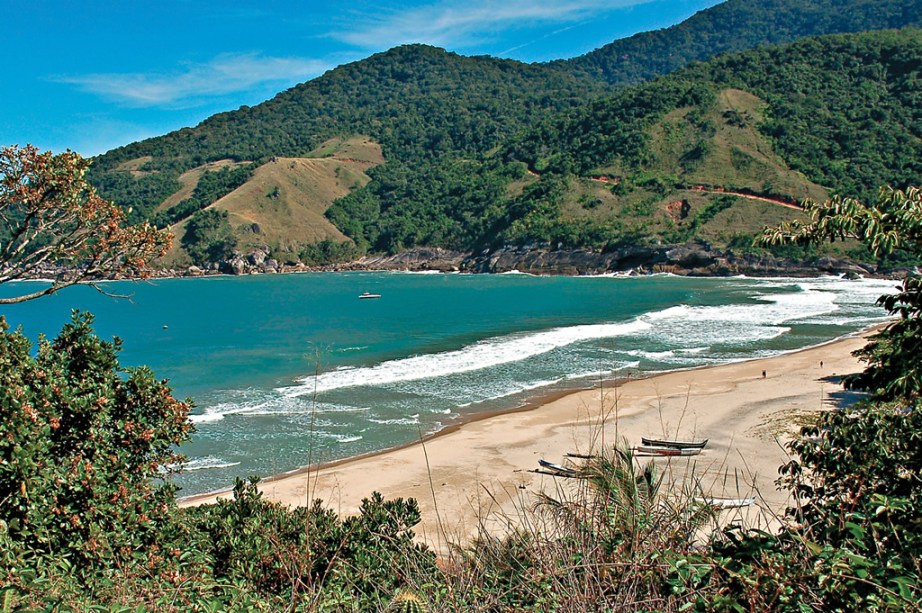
(306, 558)
(892, 222)
(89, 520)
(81, 442)
(855, 541)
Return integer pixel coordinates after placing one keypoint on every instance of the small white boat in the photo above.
(557, 468)
(727, 503)
(368, 296)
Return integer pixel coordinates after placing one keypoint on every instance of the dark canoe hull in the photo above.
(655, 442)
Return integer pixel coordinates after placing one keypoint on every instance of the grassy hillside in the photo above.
(282, 205)
(836, 114)
(466, 138)
(705, 169)
(189, 180)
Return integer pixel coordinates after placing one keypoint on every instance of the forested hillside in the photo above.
(465, 139)
(421, 103)
(839, 114)
(737, 25)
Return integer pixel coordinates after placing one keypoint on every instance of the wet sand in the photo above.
(479, 471)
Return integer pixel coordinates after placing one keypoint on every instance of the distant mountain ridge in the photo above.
(454, 132)
(734, 26)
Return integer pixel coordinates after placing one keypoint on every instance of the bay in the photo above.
(291, 370)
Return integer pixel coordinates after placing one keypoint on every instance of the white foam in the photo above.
(205, 463)
(652, 355)
(253, 402)
(345, 438)
(207, 417)
(485, 354)
(595, 374)
(771, 309)
(403, 421)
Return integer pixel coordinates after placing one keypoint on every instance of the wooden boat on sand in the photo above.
(557, 468)
(658, 442)
(727, 503)
(659, 450)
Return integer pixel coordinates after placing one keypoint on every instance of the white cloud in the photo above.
(227, 73)
(446, 25)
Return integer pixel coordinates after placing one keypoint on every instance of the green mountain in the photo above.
(419, 102)
(480, 151)
(658, 162)
(734, 26)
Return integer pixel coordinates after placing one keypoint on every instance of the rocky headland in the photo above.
(694, 259)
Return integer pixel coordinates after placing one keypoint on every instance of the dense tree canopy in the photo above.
(734, 26)
(209, 237)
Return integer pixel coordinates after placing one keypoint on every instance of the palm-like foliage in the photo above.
(607, 540)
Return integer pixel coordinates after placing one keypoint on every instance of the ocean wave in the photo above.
(205, 463)
(595, 374)
(399, 421)
(347, 438)
(770, 309)
(695, 329)
(255, 403)
(484, 354)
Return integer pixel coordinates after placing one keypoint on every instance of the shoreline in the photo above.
(472, 468)
(530, 403)
(687, 259)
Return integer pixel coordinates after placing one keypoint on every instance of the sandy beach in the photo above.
(481, 469)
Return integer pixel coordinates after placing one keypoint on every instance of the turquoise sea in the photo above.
(290, 370)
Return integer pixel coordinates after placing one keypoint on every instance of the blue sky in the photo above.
(90, 75)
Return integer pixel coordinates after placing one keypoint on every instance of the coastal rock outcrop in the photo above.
(422, 259)
(695, 258)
